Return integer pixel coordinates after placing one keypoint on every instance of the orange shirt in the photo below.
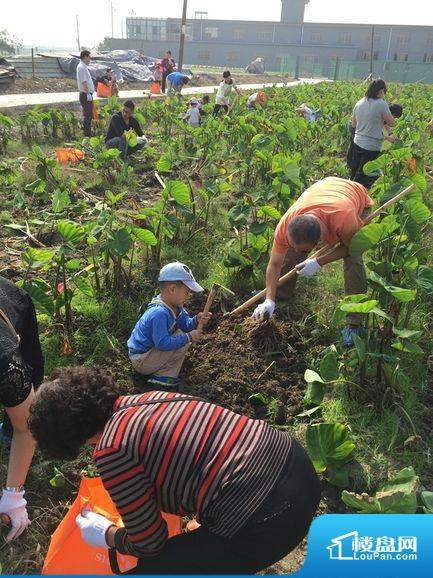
(337, 203)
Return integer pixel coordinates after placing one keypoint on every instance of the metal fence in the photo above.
(338, 69)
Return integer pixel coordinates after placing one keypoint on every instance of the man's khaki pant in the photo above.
(355, 280)
(161, 363)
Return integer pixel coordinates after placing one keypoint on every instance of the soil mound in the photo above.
(238, 359)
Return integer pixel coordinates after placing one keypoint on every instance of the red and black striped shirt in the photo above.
(185, 457)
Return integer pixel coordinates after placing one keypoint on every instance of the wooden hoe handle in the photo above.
(210, 300)
(324, 250)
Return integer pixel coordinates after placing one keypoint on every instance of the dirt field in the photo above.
(39, 85)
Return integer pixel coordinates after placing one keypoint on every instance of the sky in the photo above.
(53, 22)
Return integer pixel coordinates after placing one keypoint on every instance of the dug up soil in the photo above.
(239, 358)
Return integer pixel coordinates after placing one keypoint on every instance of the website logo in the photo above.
(352, 546)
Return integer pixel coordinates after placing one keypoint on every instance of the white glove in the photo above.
(266, 308)
(14, 505)
(308, 268)
(142, 140)
(93, 528)
(89, 97)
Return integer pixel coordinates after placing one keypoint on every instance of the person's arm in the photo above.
(353, 121)
(273, 273)
(161, 336)
(30, 345)
(145, 532)
(185, 322)
(136, 127)
(388, 119)
(335, 255)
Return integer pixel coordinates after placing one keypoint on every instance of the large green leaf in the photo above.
(145, 236)
(42, 300)
(119, 242)
(398, 496)
(408, 347)
(271, 212)
(366, 238)
(424, 279)
(164, 164)
(83, 285)
(417, 211)
(238, 215)
(34, 256)
(427, 500)
(365, 307)
(60, 201)
(328, 366)
(329, 443)
(71, 232)
(179, 191)
(401, 294)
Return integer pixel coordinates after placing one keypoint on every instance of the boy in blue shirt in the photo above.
(161, 337)
(175, 82)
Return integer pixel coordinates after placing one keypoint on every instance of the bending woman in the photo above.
(252, 488)
(370, 115)
(21, 368)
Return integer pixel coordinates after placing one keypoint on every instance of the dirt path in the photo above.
(8, 101)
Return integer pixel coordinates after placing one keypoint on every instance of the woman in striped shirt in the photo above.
(252, 488)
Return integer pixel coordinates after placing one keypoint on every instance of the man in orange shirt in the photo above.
(331, 211)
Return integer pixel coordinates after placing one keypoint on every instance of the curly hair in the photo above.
(71, 409)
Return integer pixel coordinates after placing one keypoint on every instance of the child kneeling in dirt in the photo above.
(161, 337)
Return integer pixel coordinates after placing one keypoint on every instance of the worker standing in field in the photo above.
(21, 370)
(168, 66)
(370, 115)
(329, 212)
(222, 99)
(86, 89)
(252, 488)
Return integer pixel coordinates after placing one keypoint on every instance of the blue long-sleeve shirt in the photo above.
(157, 327)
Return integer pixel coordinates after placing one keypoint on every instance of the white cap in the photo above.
(180, 272)
(193, 100)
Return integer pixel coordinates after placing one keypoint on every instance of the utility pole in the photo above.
(78, 34)
(372, 52)
(182, 35)
(112, 20)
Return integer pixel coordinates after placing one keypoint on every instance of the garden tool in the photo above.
(323, 251)
(224, 295)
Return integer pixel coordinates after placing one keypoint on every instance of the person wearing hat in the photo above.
(256, 99)
(193, 113)
(161, 337)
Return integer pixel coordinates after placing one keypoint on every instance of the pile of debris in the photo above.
(7, 74)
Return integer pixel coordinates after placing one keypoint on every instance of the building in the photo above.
(234, 43)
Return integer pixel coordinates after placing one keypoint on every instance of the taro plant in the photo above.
(331, 450)
(6, 125)
(398, 496)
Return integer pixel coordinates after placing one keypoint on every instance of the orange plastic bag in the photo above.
(102, 90)
(155, 88)
(70, 554)
(66, 155)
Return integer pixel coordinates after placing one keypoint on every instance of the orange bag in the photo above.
(65, 155)
(70, 554)
(155, 88)
(95, 111)
(102, 90)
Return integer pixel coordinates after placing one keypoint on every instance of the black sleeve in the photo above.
(136, 127)
(30, 346)
(116, 127)
(15, 382)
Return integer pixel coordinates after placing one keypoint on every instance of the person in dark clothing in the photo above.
(252, 488)
(121, 122)
(168, 65)
(21, 370)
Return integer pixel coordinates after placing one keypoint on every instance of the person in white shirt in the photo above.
(86, 89)
(222, 99)
(257, 98)
(193, 113)
(307, 113)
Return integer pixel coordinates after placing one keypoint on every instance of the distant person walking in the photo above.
(370, 116)
(86, 89)
(168, 66)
